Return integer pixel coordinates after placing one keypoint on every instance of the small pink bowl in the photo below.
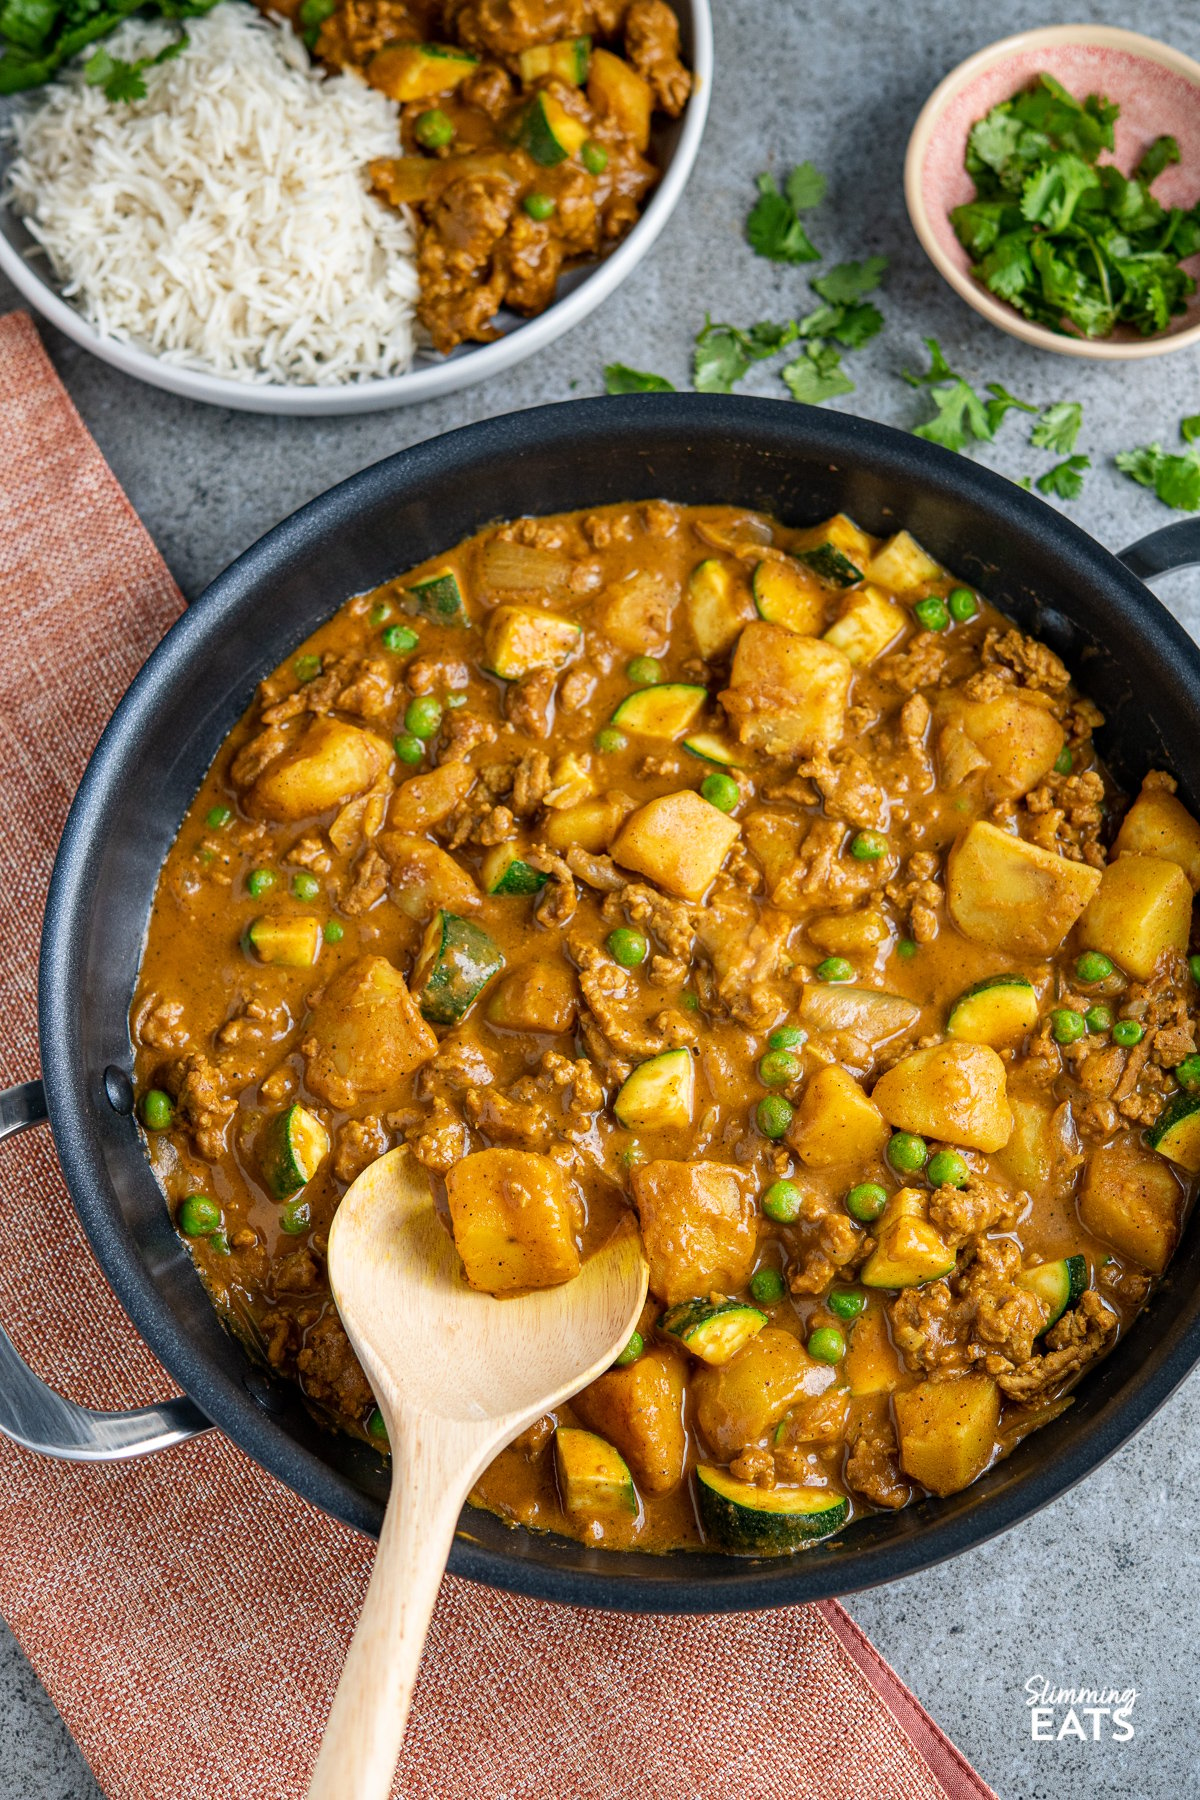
(1158, 91)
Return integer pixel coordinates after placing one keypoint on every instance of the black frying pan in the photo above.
(1126, 651)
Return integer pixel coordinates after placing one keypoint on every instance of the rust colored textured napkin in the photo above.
(187, 1613)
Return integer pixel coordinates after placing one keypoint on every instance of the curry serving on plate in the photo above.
(761, 880)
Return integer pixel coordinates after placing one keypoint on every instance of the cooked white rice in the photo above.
(224, 221)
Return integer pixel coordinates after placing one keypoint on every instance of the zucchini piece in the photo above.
(837, 550)
(716, 608)
(593, 1478)
(548, 132)
(785, 595)
(521, 639)
(869, 624)
(504, 872)
(831, 564)
(419, 71)
(1059, 1284)
(618, 92)
(714, 1329)
(661, 712)
(568, 59)
(439, 597)
(659, 1093)
(753, 1521)
(712, 749)
(998, 1011)
(291, 1150)
(292, 942)
(903, 566)
(456, 962)
(908, 1251)
(1177, 1133)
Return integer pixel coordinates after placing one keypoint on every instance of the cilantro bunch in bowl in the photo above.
(1070, 241)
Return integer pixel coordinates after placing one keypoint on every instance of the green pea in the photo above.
(834, 968)
(907, 1152)
(219, 1241)
(869, 846)
(644, 671)
(906, 948)
(609, 740)
(827, 1344)
(778, 1067)
(866, 1201)
(721, 791)
(380, 613)
(773, 1115)
(1194, 966)
(1127, 1033)
(157, 1110)
(963, 605)
(1098, 1018)
(295, 1218)
(423, 716)
(376, 1427)
(787, 1037)
(767, 1287)
(690, 1001)
(399, 637)
(782, 1202)
(593, 156)
(1187, 1073)
(1092, 966)
(433, 130)
(947, 1169)
(844, 1303)
(632, 1350)
(218, 816)
(1066, 1025)
(198, 1216)
(1064, 762)
(260, 882)
(540, 206)
(306, 668)
(627, 947)
(333, 932)
(408, 748)
(932, 613)
(305, 886)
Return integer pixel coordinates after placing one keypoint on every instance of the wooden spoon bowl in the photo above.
(457, 1375)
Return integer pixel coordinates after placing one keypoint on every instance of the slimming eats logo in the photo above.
(1089, 1714)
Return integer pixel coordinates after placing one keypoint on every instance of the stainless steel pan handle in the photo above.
(33, 1415)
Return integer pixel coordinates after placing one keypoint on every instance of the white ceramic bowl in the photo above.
(1157, 89)
(431, 375)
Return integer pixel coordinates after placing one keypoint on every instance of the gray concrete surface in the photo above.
(1103, 1588)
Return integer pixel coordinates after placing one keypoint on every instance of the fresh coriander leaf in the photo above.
(1053, 191)
(1175, 479)
(1003, 402)
(805, 187)
(774, 231)
(620, 379)
(28, 23)
(1026, 482)
(1189, 428)
(939, 368)
(1162, 153)
(857, 325)
(960, 416)
(1058, 427)
(124, 81)
(1141, 465)
(766, 338)
(723, 354)
(850, 281)
(1065, 479)
(978, 223)
(817, 375)
(1007, 269)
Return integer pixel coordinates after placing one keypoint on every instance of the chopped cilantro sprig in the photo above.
(619, 378)
(1174, 475)
(773, 227)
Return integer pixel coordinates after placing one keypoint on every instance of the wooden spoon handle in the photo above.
(370, 1709)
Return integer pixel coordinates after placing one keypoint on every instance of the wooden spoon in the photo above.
(457, 1375)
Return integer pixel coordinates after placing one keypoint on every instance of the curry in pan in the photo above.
(761, 880)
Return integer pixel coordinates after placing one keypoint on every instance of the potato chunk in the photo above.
(698, 1227)
(365, 1034)
(514, 1214)
(902, 565)
(956, 1092)
(787, 695)
(636, 613)
(869, 624)
(947, 1431)
(738, 1402)
(1142, 907)
(1014, 896)
(592, 825)
(1157, 824)
(1131, 1199)
(835, 1122)
(1018, 740)
(425, 800)
(327, 765)
(678, 842)
(640, 1410)
(537, 996)
(425, 877)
